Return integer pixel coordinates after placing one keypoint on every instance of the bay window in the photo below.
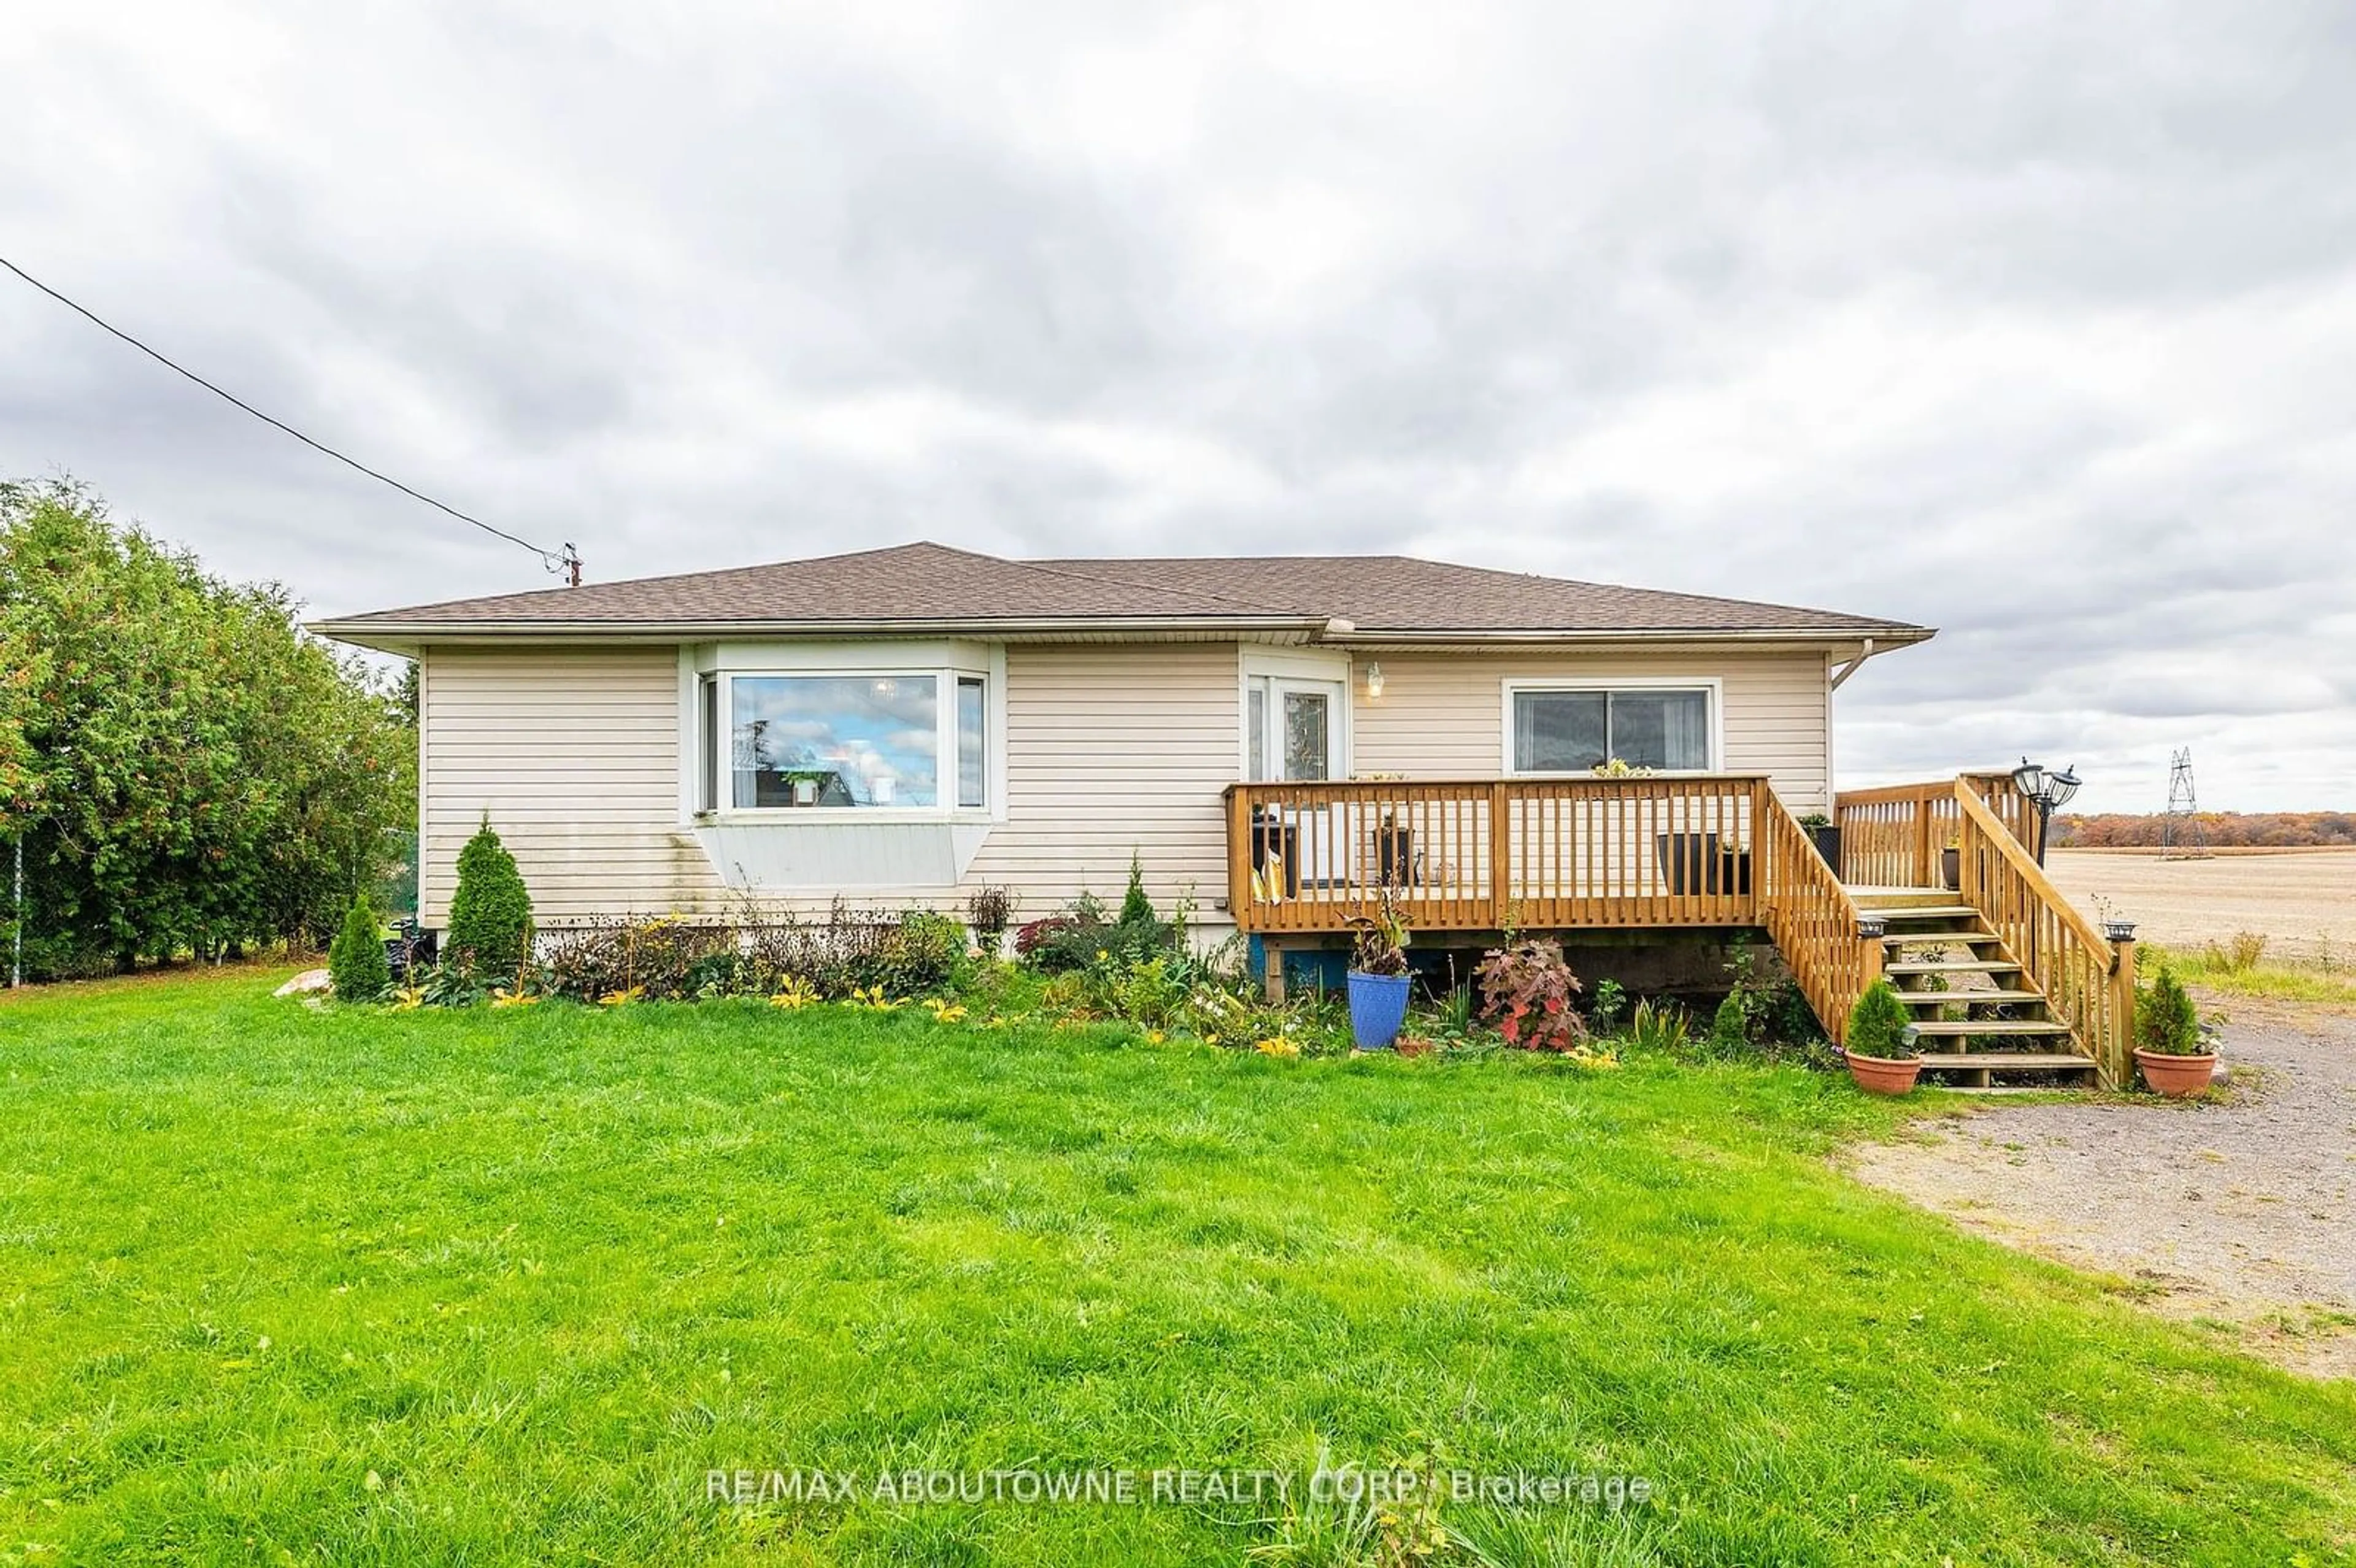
(909, 740)
(1572, 729)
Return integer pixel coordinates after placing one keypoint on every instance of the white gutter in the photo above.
(1865, 651)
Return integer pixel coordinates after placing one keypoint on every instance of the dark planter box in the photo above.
(1272, 835)
(1694, 863)
(1395, 857)
(1828, 842)
(1951, 867)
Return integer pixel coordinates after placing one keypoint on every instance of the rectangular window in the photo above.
(972, 736)
(834, 739)
(1572, 731)
(707, 743)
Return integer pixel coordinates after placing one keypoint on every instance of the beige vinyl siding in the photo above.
(573, 754)
(1110, 748)
(1443, 715)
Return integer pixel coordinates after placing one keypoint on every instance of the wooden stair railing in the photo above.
(2088, 982)
(1812, 918)
(1892, 836)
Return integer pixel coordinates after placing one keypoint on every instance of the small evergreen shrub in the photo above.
(2166, 1022)
(357, 960)
(1136, 909)
(490, 914)
(1878, 1024)
(1729, 1027)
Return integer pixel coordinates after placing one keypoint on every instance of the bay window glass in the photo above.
(835, 741)
(1572, 731)
(973, 751)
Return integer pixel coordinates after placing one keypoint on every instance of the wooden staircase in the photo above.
(1983, 1021)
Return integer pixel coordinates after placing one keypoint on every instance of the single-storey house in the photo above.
(1280, 740)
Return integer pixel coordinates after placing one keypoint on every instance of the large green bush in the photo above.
(356, 961)
(2166, 1022)
(1877, 1025)
(187, 770)
(490, 914)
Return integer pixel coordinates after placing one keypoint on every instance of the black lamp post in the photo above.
(2047, 790)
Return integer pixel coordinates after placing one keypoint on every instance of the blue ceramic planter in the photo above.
(1378, 1008)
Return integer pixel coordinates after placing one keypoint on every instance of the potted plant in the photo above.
(1699, 863)
(1951, 864)
(1880, 1049)
(1825, 837)
(2171, 1048)
(1379, 978)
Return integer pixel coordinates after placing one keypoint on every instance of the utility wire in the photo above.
(567, 560)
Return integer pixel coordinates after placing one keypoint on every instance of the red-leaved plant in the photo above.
(1526, 991)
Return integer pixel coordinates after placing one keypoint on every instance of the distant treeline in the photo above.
(2223, 829)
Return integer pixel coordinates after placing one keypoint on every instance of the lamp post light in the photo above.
(2048, 791)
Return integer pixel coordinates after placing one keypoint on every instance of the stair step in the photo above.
(1917, 938)
(1955, 967)
(1957, 999)
(2007, 1061)
(1922, 912)
(1952, 1027)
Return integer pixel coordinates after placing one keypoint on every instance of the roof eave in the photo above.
(407, 635)
(1891, 635)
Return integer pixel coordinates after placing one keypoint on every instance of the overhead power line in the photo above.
(567, 560)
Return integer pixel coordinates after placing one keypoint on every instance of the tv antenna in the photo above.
(2181, 837)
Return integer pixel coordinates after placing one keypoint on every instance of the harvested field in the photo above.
(2303, 901)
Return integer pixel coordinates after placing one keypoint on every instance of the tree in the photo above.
(187, 769)
(356, 961)
(490, 914)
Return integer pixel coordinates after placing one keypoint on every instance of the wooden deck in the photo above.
(1489, 854)
(1698, 851)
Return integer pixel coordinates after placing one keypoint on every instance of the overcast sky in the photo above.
(2034, 323)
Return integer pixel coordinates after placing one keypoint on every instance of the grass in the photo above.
(280, 1285)
(2227, 973)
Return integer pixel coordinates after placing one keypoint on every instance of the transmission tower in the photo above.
(2181, 837)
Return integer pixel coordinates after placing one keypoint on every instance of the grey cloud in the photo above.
(2029, 324)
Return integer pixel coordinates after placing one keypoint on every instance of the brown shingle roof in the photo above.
(933, 583)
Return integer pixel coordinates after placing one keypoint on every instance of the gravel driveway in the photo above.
(2242, 1211)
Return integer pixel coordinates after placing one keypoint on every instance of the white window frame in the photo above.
(946, 663)
(1713, 686)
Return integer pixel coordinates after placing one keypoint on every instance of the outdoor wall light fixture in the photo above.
(1871, 928)
(2049, 792)
(1374, 680)
(2119, 930)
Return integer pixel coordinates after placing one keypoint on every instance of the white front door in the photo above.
(1295, 728)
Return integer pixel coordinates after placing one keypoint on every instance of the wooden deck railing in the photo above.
(2088, 982)
(1893, 837)
(1813, 921)
(1485, 854)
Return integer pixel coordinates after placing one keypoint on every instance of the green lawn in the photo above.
(285, 1284)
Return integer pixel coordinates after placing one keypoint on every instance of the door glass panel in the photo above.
(1307, 735)
(1255, 726)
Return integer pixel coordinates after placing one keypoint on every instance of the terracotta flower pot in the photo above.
(2177, 1077)
(1881, 1074)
